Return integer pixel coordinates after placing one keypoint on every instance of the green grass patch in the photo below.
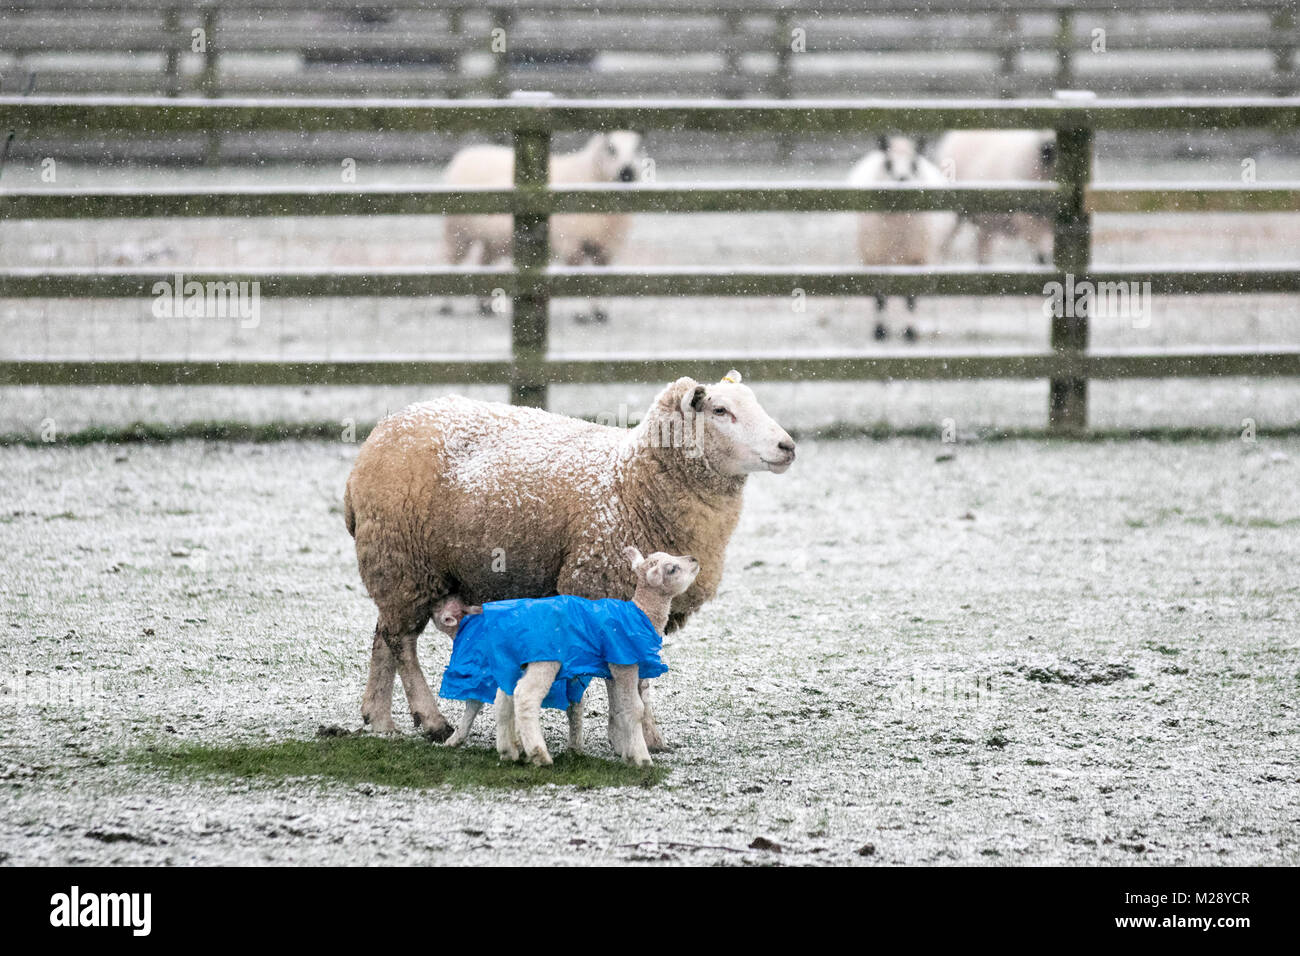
(392, 762)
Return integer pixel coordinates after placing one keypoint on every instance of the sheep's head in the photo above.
(449, 613)
(726, 426)
(666, 574)
(902, 157)
(619, 156)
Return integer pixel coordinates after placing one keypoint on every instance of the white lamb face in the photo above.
(668, 574)
(619, 156)
(448, 614)
(733, 432)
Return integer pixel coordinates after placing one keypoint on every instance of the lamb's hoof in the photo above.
(909, 334)
(881, 332)
(455, 740)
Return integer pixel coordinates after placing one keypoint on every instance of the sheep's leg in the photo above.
(472, 707)
(424, 709)
(631, 712)
(507, 735)
(654, 741)
(377, 704)
(529, 694)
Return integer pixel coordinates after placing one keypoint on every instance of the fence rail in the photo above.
(531, 281)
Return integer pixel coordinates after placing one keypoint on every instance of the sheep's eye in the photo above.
(720, 411)
(672, 570)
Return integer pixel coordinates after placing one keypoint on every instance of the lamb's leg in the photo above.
(507, 736)
(575, 727)
(654, 741)
(472, 707)
(377, 703)
(424, 709)
(612, 722)
(984, 246)
(631, 712)
(529, 694)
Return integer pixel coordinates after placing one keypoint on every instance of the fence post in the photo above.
(1072, 251)
(530, 322)
(212, 149)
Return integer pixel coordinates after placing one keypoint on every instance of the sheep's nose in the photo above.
(787, 446)
(627, 174)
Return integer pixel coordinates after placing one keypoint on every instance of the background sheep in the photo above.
(576, 239)
(490, 501)
(1001, 156)
(898, 239)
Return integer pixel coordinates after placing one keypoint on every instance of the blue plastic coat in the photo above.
(585, 636)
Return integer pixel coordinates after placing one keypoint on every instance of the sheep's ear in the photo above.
(693, 400)
(634, 557)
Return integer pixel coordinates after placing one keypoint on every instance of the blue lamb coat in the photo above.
(585, 636)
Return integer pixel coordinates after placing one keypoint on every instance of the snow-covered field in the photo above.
(1007, 652)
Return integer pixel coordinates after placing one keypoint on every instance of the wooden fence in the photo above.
(532, 281)
(726, 48)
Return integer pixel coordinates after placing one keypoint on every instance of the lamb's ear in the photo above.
(634, 557)
(474, 609)
(733, 377)
(693, 400)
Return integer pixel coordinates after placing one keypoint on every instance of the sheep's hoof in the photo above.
(881, 333)
(639, 761)
(540, 758)
(438, 733)
(508, 756)
(384, 725)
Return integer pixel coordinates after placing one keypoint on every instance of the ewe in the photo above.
(536, 652)
(1005, 156)
(576, 239)
(898, 238)
(491, 502)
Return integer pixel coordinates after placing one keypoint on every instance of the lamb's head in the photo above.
(725, 425)
(449, 612)
(617, 157)
(666, 575)
(902, 157)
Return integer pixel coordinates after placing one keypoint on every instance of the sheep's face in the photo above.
(902, 157)
(666, 574)
(619, 156)
(449, 613)
(731, 430)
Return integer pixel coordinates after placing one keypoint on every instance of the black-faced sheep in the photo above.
(491, 502)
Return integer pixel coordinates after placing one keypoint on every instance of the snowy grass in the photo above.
(989, 652)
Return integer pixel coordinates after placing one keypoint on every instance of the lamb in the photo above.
(1001, 155)
(490, 502)
(576, 239)
(556, 642)
(898, 238)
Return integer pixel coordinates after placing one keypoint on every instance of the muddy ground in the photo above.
(998, 653)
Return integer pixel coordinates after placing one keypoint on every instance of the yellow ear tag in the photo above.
(733, 377)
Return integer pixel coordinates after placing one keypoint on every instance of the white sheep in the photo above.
(1000, 156)
(555, 641)
(491, 502)
(898, 238)
(577, 238)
